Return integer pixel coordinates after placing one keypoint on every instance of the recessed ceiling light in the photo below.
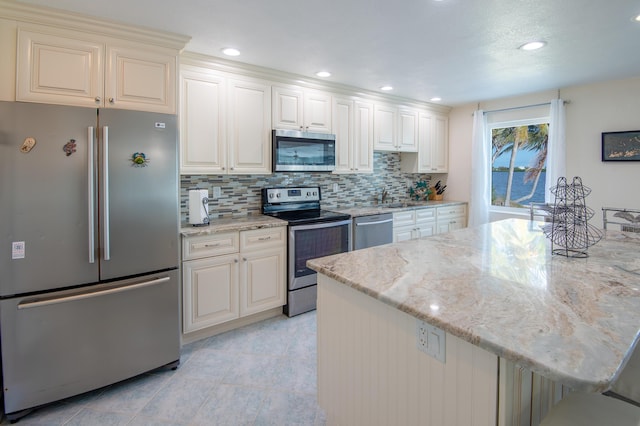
(323, 74)
(386, 88)
(435, 99)
(532, 45)
(637, 18)
(230, 51)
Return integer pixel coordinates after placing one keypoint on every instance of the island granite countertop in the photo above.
(497, 286)
(243, 223)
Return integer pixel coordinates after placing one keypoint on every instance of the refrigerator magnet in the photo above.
(69, 147)
(28, 145)
(138, 159)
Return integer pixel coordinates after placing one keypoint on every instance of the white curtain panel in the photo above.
(480, 171)
(556, 155)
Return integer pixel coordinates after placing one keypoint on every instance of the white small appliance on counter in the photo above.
(198, 207)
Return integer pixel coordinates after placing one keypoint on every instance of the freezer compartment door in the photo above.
(72, 342)
(138, 192)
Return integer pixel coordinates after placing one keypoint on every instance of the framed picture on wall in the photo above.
(621, 146)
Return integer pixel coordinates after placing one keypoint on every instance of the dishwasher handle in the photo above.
(377, 222)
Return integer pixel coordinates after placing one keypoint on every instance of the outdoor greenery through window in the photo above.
(518, 158)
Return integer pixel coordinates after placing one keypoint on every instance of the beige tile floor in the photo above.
(262, 374)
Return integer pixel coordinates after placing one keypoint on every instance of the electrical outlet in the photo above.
(216, 192)
(431, 340)
(422, 335)
(336, 188)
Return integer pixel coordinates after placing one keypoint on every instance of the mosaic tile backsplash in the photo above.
(240, 194)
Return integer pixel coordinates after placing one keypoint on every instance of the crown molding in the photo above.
(11, 9)
(189, 58)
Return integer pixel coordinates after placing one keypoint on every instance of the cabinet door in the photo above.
(202, 123)
(425, 230)
(385, 128)
(141, 79)
(407, 130)
(59, 70)
(403, 233)
(262, 280)
(317, 111)
(440, 144)
(425, 135)
(287, 108)
(343, 128)
(363, 138)
(249, 128)
(210, 291)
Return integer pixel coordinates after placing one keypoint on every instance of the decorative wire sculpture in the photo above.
(569, 228)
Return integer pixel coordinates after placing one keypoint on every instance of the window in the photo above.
(518, 162)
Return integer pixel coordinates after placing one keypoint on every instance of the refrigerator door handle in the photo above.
(105, 193)
(87, 295)
(91, 194)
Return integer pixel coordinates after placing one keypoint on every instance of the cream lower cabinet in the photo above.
(411, 224)
(450, 218)
(231, 275)
(262, 270)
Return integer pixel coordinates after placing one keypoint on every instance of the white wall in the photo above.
(593, 109)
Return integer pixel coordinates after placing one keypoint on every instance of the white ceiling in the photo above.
(461, 51)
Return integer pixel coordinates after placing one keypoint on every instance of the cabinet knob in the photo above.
(111, 100)
(244, 259)
(223, 168)
(230, 168)
(235, 260)
(98, 99)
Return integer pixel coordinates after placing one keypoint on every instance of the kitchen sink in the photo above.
(394, 205)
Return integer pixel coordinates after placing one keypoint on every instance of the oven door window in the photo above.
(318, 240)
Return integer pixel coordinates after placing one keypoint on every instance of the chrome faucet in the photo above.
(384, 195)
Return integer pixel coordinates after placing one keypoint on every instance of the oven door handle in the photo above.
(320, 225)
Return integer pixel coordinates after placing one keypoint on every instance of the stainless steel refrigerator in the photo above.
(89, 252)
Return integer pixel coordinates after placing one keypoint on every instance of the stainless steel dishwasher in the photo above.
(369, 231)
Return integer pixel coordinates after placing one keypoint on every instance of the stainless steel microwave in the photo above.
(295, 151)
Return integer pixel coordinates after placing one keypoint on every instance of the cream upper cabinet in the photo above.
(296, 108)
(248, 126)
(396, 128)
(225, 125)
(385, 133)
(58, 67)
(353, 126)
(59, 70)
(407, 130)
(202, 122)
(142, 78)
(433, 146)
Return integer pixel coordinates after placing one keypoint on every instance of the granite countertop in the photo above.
(574, 321)
(398, 207)
(244, 223)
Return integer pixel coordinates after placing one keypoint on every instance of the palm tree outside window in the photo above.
(518, 162)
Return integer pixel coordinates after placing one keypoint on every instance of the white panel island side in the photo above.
(500, 296)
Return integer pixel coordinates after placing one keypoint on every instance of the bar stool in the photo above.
(592, 409)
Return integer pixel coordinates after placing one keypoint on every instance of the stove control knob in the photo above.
(315, 193)
(308, 193)
(271, 195)
(278, 195)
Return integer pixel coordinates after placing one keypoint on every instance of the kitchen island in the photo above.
(501, 300)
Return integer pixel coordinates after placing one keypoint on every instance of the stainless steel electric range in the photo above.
(312, 233)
